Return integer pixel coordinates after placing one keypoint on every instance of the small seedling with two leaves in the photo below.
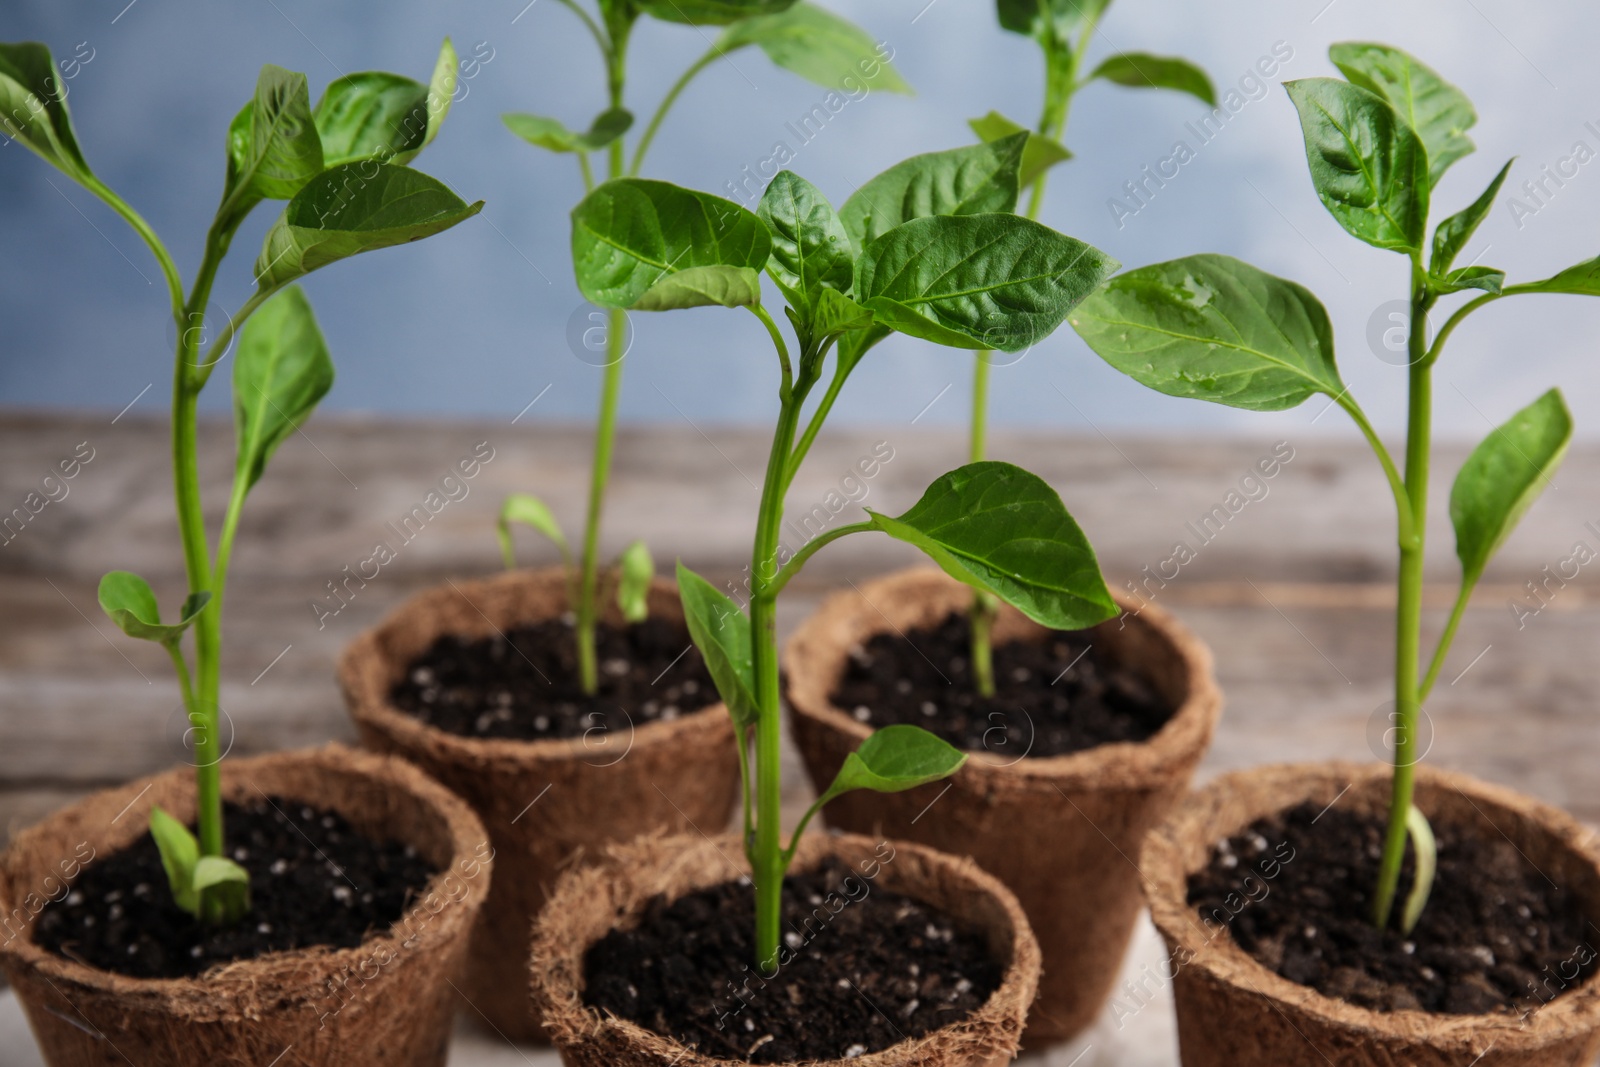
(341, 167)
(881, 264)
(1211, 327)
(797, 36)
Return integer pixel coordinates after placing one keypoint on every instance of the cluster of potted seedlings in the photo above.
(1001, 745)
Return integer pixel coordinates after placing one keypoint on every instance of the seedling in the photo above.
(1064, 30)
(800, 37)
(1217, 329)
(341, 168)
(848, 280)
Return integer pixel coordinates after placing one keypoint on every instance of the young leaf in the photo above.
(551, 134)
(530, 511)
(1488, 279)
(837, 313)
(228, 883)
(631, 235)
(1438, 111)
(273, 144)
(1003, 530)
(819, 46)
(636, 571)
(1454, 232)
(352, 209)
(857, 343)
(1503, 476)
(1039, 154)
(1582, 279)
(33, 107)
(180, 854)
(281, 372)
(960, 181)
(441, 92)
(129, 602)
(1140, 70)
(722, 634)
(810, 250)
(371, 115)
(977, 281)
(1041, 18)
(894, 759)
(709, 12)
(718, 286)
(1369, 169)
(1214, 328)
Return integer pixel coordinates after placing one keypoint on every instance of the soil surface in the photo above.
(870, 969)
(1294, 891)
(524, 686)
(1054, 695)
(314, 881)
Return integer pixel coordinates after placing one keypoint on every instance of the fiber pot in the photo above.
(590, 902)
(386, 1002)
(1058, 831)
(584, 793)
(1233, 1011)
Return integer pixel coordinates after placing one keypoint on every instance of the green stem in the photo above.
(800, 830)
(1408, 614)
(1397, 485)
(594, 27)
(768, 864)
(1446, 639)
(169, 269)
(604, 439)
(1455, 319)
(981, 616)
(744, 784)
(811, 548)
(587, 172)
(818, 417)
(711, 56)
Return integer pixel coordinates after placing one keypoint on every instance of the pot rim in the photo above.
(370, 706)
(652, 855)
(1122, 764)
(1194, 826)
(214, 993)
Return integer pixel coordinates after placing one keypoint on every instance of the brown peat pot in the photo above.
(1233, 1011)
(544, 802)
(385, 1002)
(1062, 831)
(591, 902)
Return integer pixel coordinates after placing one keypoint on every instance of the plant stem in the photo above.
(649, 135)
(1408, 613)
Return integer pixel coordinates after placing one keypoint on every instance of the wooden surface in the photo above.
(1293, 595)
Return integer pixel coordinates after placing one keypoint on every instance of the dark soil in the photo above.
(1294, 891)
(925, 678)
(314, 881)
(525, 686)
(884, 969)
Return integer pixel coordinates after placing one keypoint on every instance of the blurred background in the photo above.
(477, 324)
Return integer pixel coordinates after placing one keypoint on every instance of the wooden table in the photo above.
(1293, 591)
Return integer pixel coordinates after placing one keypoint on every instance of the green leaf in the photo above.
(371, 115)
(709, 12)
(810, 250)
(1437, 111)
(225, 884)
(530, 511)
(1503, 476)
(1582, 279)
(1216, 329)
(180, 855)
(1039, 153)
(1454, 232)
(977, 281)
(961, 181)
(722, 634)
(274, 148)
(33, 107)
(1368, 167)
(1141, 70)
(894, 759)
(441, 93)
(351, 209)
(129, 602)
(636, 571)
(819, 46)
(281, 372)
(853, 346)
(631, 235)
(1048, 18)
(837, 313)
(551, 134)
(715, 286)
(1488, 279)
(1004, 531)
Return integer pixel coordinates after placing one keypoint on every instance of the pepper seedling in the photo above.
(968, 281)
(800, 37)
(1214, 328)
(341, 168)
(1063, 30)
